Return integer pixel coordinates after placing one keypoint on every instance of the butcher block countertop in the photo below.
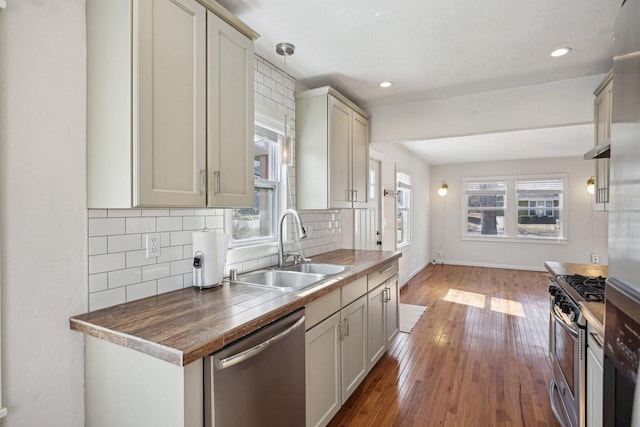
(592, 311)
(185, 325)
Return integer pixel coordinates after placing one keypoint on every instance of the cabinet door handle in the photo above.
(355, 195)
(346, 328)
(203, 181)
(596, 338)
(340, 333)
(216, 176)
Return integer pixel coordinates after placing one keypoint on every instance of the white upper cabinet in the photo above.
(603, 105)
(147, 104)
(332, 151)
(230, 115)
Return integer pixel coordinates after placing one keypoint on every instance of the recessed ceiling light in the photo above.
(386, 84)
(377, 14)
(560, 51)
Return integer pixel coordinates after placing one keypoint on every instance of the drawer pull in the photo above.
(596, 338)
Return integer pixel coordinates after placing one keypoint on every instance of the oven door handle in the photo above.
(554, 403)
(573, 331)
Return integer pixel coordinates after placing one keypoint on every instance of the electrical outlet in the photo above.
(595, 259)
(153, 245)
(439, 253)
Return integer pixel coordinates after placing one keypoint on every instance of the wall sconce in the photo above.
(444, 189)
(591, 186)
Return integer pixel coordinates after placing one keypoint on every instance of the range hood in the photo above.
(598, 152)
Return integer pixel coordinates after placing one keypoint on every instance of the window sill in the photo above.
(243, 253)
(528, 240)
(402, 245)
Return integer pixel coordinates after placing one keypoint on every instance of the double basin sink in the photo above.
(294, 277)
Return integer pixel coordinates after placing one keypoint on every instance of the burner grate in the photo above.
(590, 288)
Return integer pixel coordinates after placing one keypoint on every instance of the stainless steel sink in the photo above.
(317, 268)
(280, 279)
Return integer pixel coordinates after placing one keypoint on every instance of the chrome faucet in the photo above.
(282, 256)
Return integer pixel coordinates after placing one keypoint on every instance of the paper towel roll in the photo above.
(213, 249)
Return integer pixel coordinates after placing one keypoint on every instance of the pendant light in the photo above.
(286, 49)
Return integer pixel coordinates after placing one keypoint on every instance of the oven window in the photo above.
(565, 355)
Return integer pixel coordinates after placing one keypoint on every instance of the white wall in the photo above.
(415, 256)
(42, 210)
(562, 103)
(587, 232)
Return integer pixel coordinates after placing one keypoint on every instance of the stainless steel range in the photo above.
(567, 344)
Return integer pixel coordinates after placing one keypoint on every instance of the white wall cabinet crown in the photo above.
(161, 75)
(332, 151)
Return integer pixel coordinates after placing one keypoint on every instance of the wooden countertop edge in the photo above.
(594, 315)
(223, 338)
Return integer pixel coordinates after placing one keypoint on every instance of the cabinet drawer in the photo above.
(353, 291)
(595, 342)
(382, 273)
(320, 309)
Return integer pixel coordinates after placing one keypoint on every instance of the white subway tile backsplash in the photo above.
(125, 242)
(181, 267)
(118, 268)
(125, 277)
(169, 223)
(170, 284)
(97, 245)
(181, 238)
(156, 271)
(142, 290)
(193, 223)
(181, 212)
(108, 262)
(98, 282)
(170, 253)
(108, 298)
(141, 225)
(106, 226)
(123, 213)
(139, 258)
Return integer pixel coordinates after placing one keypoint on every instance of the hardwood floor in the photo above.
(477, 357)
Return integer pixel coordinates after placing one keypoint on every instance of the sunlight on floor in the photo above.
(500, 305)
(466, 298)
(507, 306)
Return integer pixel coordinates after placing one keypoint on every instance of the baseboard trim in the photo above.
(403, 281)
(487, 265)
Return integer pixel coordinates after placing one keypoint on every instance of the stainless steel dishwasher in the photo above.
(260, 379)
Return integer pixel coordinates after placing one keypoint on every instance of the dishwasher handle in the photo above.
(227, 362)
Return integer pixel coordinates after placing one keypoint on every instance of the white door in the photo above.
(367, 222)
(169, 103)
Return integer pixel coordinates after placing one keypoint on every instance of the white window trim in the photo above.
(511, 209)
(241, 251)
(408, 186)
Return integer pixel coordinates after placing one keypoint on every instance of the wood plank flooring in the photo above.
(477, 357)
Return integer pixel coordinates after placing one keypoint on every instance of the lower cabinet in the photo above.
(341, 349)
(383, 318)
(595, 371)
(323, 372)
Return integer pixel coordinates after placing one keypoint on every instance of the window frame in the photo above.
(404, 187)
(274, 123)
(512, 208)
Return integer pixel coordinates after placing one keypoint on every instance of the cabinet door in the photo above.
(230, 115)
(322, 351)
(339, 154)
(169, 138)
(360, 163)
(354, 346)
(603, 106)
(594, 390)
(376, 325)
(393, 314)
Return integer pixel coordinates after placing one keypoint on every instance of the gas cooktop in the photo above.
(591, 289)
